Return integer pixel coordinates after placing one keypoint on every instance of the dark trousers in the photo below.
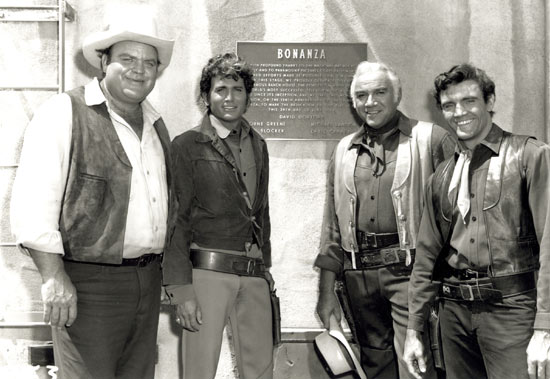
(115, 332)
(484, 340)
(378, 301)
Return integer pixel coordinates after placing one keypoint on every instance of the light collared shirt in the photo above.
(39, 186)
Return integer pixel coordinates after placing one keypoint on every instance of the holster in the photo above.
(276, 318)
(341, 294)
(435, 337)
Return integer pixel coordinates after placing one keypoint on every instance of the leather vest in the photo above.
(95, 203)
(513, 245)
(413, 168)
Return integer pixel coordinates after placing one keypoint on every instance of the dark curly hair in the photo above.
(460, 73)
(228, 64)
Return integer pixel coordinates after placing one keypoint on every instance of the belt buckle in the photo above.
(389, 256)
(371, 237)
(250, 267)
(470, 292)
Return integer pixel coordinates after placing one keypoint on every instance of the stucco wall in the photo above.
(418, 38)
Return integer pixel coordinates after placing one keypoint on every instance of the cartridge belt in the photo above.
(489, 288)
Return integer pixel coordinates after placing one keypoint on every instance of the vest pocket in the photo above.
(86, 204)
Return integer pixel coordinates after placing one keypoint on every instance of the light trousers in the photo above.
(242, 301)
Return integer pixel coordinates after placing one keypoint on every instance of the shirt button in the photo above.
(472, 195)
(372, 197)
(474, 218)
(147, 172)
(245, 193)
(154, 199)
(156, 228)
(244, 173)
(402, 218)
(472, 240)
(372, 219)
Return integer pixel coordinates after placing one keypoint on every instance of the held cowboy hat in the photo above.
(136, 25)
(336, 350)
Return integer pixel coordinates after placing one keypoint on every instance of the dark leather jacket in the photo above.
(513, 245)
(213, 210)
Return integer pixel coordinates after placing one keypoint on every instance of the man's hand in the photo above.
(327, 303)
(538, 355)
(59, 297)
(189, 315)
(413, 354)
(58, 292)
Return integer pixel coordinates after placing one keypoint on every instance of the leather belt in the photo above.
(467, 274)
(228, 263)
(142, 261)
(488, 289)
(367, 240)
(381, 257)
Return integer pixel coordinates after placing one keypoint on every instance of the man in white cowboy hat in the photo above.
(91, 204)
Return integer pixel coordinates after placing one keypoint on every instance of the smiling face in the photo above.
(227, 100)
(130, 71)
(467, 112)
(375, 99)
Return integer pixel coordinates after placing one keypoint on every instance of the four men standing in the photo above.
(102, 215)
(376, 182)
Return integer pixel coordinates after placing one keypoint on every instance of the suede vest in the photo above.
(97, 193)
(513, 245)
(412, 170)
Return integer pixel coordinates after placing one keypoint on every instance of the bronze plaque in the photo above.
(302, 89)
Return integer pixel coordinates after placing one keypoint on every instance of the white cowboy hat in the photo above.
(134, 25)
(336, 350)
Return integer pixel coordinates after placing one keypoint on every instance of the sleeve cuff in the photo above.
(180, 293)
(542, 321)
(327, 263)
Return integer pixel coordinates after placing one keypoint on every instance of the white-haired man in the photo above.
(376, 184)
(91, 205)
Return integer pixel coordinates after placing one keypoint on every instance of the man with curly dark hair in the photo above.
(216, 268)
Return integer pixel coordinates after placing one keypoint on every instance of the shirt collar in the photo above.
(492, 141)
(93, 95)
(403, 124)
(221, 130)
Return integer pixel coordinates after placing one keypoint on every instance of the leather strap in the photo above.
(368, 241)
(227, 263)
(488, 289)
(381, 257)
